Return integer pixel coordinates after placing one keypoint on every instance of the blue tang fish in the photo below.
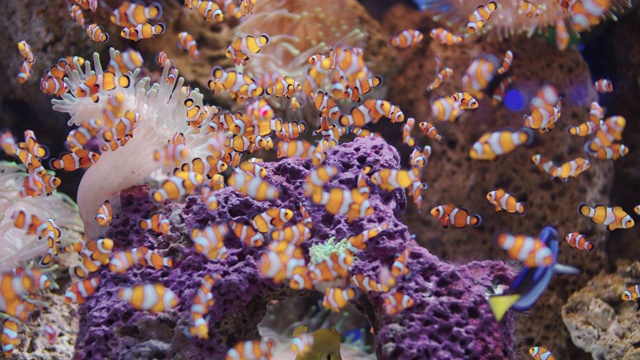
(531, 282)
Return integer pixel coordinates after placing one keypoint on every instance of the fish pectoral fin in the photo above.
(501, 303)
(565, 269)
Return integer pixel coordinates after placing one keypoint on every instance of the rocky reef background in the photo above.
(611, 50)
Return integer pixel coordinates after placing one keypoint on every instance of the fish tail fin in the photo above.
(501, 303)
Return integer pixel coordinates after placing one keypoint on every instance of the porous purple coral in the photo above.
(451, 318)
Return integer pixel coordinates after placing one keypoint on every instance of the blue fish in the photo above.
(434, 6)
(527, 288)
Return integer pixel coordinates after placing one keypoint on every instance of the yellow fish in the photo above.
(326, 344)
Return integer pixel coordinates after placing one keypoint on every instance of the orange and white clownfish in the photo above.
(251, 349)
(97, 34)
(406, 38)
(603, 86)
(541, 353)
(449, 214)
(132, 14)
(187, 42)
(614, 217)
(242, 47)
(578, 241)
(502, 200)
(480, 16)
(631, 294)
(153, 297)
(531, 251)
(445, 37)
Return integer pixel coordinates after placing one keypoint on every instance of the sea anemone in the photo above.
(17, 246)
(298, 29)
(509, 20)
(162, 113)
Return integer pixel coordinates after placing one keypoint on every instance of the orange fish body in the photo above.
(577, 240)
(502, 200)
(449, 214)
(614, 217)
(406, 38)
(154, 298)
(530, 250)
(480, 16)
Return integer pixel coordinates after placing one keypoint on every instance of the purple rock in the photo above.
(451, 318)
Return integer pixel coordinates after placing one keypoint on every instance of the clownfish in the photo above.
(395, 302)
(449, 214)
(209, 9)
(445, 37)
(200, 307)
(158, 223)
(247, 234)
(531, 251)
(76, 14)
(391, 179)
(493, 144)
(502, 200)
(430, 130)
(577, 240)
(251, 349)
(142, 31)
(543, 118)
(562, 33)
(480, 16)
(80, 291)
(188, 43)
(242, 47)
(9, 337)
(154, 297)
(406, 38)
(132, 14)
(336, 298)
(210, 241)
(445, 109)
(97, 34)
(506, 62)
(465, 101)
(105, 214)
(631, 294)
(528, 9)
(614, 217)
(252, 186)
(541, 353)
(25, 50)
(441, 77)
(177, 186)
(603, 86)
(531, 283)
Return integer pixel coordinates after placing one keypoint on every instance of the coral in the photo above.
(453, 177)
(301, 28)
(508, 20)
(447, 297)
(599, 321)
(162, 113)
(17, 246)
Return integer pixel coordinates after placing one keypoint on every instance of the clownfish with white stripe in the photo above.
(502, 200)
(449, 214)
(480, 16)
(404, 39)
(578, 241)
(154, 297)
(242, 47)
(614, 217)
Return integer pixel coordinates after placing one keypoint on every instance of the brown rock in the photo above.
(453, 177)
(600, 322)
